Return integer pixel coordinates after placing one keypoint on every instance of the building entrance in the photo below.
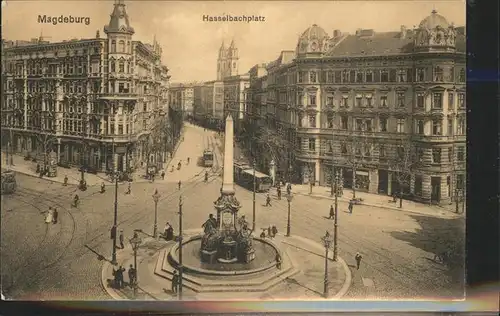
(435, 189)
(383, 182)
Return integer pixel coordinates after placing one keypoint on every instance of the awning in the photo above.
(361, 173)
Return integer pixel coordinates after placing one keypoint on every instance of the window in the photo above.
(352, 76)
(300, 77)
(128, 47)
(450, 154)
(312, 120)
(234, 65)
(420, 127)
(330, 77)
(401, 99)
(343, 148)
(329, 100)
(400, 128)
(359, 77)
(359, 100)
(343, 122)
(461, 75)
(450, 100)
(329, 119)
(401, 75)
(450, 126)
(121, 68)
(312, 144)
(420, 74)
(345, 76)
(381, 151)
(420, 100)
(461, 126)
(344, 101)
(338, 76)
(369, 101)
(383, 124)
(436, 155)
(368, 125)
(113, 66)
(392, 75)
(359, 124)
(438, 74)
(461, 100)
(437, 100)
(420, 155)
(120, 129)
(436, 127)
(383, 101)
(369, 76)
(400, 152)
(384, 76)
(121, 46)
(312, 77)
(460, 181)
(113, 46)
(368, 151)
(300, 99)
(312, 99)
(418, 185)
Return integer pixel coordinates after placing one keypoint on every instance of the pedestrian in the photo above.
(350, 206)
(358, 258)
(268, 200)
(48, 216)
(175, 282)
(76, 200)
(103, 187)
(332, 213)
(152, 177)
(180, 183)
(121, 240)
(263, 234)
(129, 188)
(55, 214)
(132, 276)
(163, 174)
(269, 232)
(65, 183)
(119, 278)
(274, 230)
(278, 190)
(278, 261)
(188, 160)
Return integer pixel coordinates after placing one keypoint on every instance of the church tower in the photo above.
(221, 62)
(232, 59)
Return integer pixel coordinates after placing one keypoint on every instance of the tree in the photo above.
(405, 160)
(44, 143)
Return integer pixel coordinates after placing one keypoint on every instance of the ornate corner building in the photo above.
(85, 99)
(372, 92)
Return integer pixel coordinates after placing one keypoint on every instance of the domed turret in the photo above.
(434, 33)
(314, 40)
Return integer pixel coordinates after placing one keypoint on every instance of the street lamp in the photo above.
(253, 200)
(336, 217)
(327, 240)
(135, 242)
(115, 217)
(289, 198)
(180, 248)
(156, 198)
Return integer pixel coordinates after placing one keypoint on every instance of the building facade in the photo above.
(182, 97)
(91, 101)
(359, 103)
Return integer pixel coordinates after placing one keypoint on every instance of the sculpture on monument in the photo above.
(222, 240)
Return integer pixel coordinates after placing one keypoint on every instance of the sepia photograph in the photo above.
(233, 150)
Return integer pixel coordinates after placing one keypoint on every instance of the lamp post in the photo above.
(115, 218)
(289, 198)
(180, 248)
(156, 198)
(327, 240)
(135, 241)
(335, 248)
(253, 198)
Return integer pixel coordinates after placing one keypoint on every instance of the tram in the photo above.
(208, 158)
(245, 176)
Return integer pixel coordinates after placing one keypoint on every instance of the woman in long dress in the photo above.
(49, 217)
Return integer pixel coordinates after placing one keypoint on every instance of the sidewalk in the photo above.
(380, 201)
(306, 254)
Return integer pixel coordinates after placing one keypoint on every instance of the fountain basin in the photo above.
(265, 254)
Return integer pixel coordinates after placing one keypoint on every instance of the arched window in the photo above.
(121, 66)
(121, 46)
(113, 46)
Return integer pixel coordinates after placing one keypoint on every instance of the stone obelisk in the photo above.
(228, 175)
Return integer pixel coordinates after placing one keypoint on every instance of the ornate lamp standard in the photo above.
(135, 241)
(156, 198)
(289, 198)
(327, 240)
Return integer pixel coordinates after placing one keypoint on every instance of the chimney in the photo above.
(336, 33)
(403, 31)
(358, 32)
(97, 34)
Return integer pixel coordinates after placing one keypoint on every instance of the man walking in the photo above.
(132, 275)
(55, 214)
(268, 200)
(358, 258)
(175, 282)
(121, 240)
(163, 174)
(332, 213)
(278, 190)
(350, 206)
(179, 184)
(129, 188)
(119, 276)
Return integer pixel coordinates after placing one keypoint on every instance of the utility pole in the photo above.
(335, 232)
(253, 201)
(180, 248)
(115, 220)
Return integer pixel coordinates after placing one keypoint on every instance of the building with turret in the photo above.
(354, 103)
(92, 101)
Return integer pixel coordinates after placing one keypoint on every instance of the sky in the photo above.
(190, 45)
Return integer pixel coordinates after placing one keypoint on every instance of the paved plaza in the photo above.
(65, 260)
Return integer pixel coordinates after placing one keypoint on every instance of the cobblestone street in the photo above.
(60, 261)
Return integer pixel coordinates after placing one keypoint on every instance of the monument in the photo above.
(222, 239)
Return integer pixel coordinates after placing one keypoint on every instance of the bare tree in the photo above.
(44, 143)
(273, 143)
(405, 160)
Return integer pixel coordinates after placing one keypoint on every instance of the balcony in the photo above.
(432, 138)
(309, 130)
(118, 96)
